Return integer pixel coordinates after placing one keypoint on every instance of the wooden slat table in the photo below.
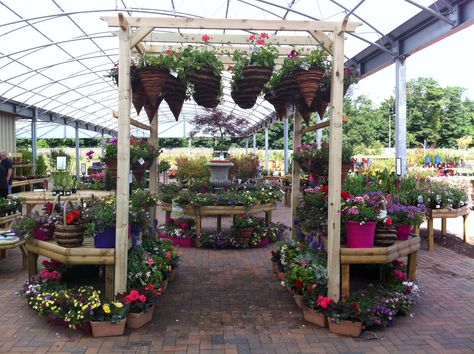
(6, 245)
(87, 254)
(27, 182)
(30, 199)
(379, 255)
(444, 214)
(219, 211)
(5, 221)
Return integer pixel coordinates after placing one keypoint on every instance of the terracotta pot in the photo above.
(69, 235)
(138, 320)
(107, 328)
(245, 235)
(298, 300)
(164, 285)
(112, 167)
(153, 81)
(314, 317)
(308, 83)
(346, 328)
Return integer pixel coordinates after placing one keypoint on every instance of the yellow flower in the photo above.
(118, 305)
(106, 308)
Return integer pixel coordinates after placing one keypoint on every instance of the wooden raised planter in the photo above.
(444, 214)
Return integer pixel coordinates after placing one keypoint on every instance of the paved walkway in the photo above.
(229, 302)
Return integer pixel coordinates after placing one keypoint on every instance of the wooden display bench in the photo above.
(379, 255)
(5, 221)
(444, 214)
(30, 199)
(87, 254)
(27, 183)
(4, 246)
(219, 211)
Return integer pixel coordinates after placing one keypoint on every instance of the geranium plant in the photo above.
(180, 227)
(313, 157)
(261, 53)
(140, 300)
(193, 58)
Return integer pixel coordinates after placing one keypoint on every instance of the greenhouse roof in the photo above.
(55, 53)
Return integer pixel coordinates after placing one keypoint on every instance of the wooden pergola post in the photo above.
(123, 159)
(296, 171)
(335, 160)
(154, 166)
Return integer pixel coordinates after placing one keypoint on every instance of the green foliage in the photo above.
(245, 167)
(163, 166)
(109, 182)
(192, 168)
(62, 180)
(194, 58)
(54, 153)
(99, 215)
(166, 60)
(41, 168)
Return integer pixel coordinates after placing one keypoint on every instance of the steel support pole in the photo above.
(102, 145)
(266, 149)
(78, 154)
(319, 132)
(255, 144)
(401, 114)
(285, 144)
(247, 147)
(34, 138)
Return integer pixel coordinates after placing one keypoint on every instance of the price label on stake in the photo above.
(141, 161)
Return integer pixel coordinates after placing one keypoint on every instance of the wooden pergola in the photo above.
(133, 30)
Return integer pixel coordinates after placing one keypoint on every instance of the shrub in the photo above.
(245, 167)
(192, 168)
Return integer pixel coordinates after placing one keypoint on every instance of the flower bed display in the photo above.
(180, 231)
(302, 269)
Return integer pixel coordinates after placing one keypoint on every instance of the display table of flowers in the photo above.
(444, 214)
(30, 199)
(219, 210)
(9, 241)
(87, 254)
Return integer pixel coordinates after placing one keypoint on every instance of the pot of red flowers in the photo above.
(404, 217)
(360, 218)
(141, 305)
(245, 224)
(315, 308)
(109, 319)
(180, 231)
(344, 318)
(71, 232)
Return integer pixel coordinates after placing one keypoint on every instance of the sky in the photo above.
(447, 61)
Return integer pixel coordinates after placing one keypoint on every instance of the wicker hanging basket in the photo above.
(69, 235)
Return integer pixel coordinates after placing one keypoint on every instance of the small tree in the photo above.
(220, 126)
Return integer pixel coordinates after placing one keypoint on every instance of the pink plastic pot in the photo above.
(403, 232)
(360, 236)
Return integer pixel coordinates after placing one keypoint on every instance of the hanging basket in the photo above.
(138, 170)
(153, 81)
(247, 89)
(151, 109)
(174, 95)
(308, 83)
(279, 104)
(206, 86)
(69, 235)
(112, 167)
(139, 96)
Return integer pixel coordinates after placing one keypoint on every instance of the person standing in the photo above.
(3, 182)
(8, 165)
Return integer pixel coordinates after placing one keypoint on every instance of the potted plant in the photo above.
(245, 223)
(345, 318)
(109, 319)
(141, 305)
(202, 68)
(100, 222)
(316, 306)
(70, 232)
(181, 231)
(252, 71)
(404, 217)
(35, 225)
(360, 218)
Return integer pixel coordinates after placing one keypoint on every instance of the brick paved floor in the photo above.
(229, 302)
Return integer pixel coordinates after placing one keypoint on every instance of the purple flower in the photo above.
(113, 141)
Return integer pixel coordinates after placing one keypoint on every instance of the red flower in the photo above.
(184, 225)
(205, 38)
(299, 284)
(142, 298)
(150, 261)
(230, 68)
(134, 142)
(323, 302)
(260, 41)
(264, 35)
(168, 255)
(324, 189)
(49, 207)
(134, 295)
(69, 218)
(170, 221)
(388, 220)
(169, 51)
(346, 195)
(75, 212)
(150, 287)
(251, 37)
